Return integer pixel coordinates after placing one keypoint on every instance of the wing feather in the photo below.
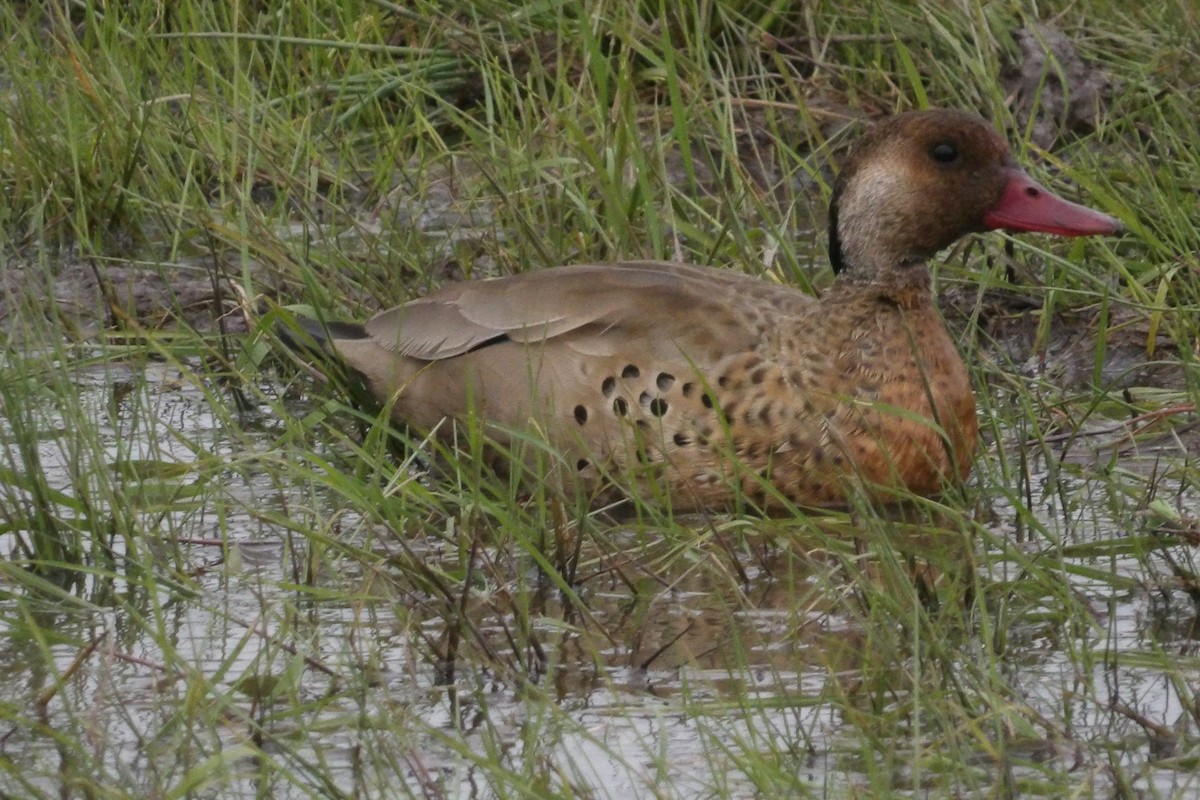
(545, 305)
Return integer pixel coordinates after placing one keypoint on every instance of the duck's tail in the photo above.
(315, 338)
(316, 341)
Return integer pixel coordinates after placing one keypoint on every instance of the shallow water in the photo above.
(674, 673)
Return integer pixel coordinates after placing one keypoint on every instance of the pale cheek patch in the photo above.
(877, 186)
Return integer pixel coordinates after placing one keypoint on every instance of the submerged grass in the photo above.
(222, 580)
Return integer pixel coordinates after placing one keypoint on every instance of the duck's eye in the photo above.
(944, 153)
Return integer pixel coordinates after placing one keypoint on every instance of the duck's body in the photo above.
(700, 384)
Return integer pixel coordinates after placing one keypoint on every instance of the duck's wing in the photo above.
(593, 305)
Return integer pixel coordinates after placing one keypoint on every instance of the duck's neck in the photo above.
(911, 289)
(874, 270)
(861, 256)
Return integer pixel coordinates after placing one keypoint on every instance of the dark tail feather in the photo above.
(312, 337)
(313, 340)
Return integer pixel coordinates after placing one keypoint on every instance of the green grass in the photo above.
(221, 580)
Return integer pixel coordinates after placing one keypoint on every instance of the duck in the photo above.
(706, 388)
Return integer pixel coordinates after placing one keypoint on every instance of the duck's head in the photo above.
(918, 181)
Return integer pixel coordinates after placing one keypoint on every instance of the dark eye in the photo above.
(944, 153)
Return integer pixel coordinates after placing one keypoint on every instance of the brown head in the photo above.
(918, 181)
